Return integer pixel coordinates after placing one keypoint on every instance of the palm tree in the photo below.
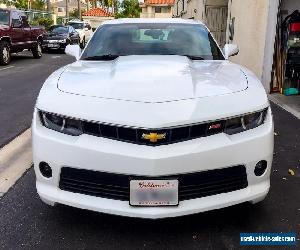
(48, 6)
(87, 5)
(67, 9)
(79, 9)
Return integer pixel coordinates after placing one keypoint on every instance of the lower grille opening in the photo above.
(116, 186)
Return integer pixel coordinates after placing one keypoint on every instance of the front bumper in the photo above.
(105, 155)
(54, 45)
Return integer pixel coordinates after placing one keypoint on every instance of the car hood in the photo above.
(54, 36)
(80, 30)
(152, 79)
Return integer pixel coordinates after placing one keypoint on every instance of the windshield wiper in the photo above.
(194, 57)
(189, 56)
(107, 57)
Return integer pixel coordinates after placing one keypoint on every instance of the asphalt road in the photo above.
(27, 223)
(20, 83)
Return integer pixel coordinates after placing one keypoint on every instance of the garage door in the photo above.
(216, 20)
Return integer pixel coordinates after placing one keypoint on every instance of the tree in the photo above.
(20, 4)
(25, 4)
(129, 8)
(46, 22)
(75, 13)
(38, 5)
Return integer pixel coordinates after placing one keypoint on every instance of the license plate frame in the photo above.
(52, 45)
(154, 188)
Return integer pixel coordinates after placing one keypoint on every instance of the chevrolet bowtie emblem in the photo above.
(154, 137)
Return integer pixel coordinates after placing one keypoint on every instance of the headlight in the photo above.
(61, 124)
(62, 41)
(246, 122)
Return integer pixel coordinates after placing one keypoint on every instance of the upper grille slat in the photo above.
(135, 135)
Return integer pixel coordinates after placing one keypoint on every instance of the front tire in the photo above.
(5, 55)
(37, 51)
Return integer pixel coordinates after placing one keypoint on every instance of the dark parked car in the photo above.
(16, 35)
(59, 37)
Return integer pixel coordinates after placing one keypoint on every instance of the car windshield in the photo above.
(4, 17)
(76, 25)
(192, 40)
(59, 29)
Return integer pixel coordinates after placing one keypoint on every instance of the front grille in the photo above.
(135, 135)
(116, 186)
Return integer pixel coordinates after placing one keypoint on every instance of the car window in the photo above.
(24, 20)
(59, 29)
(4, 17)
(16, 19)
(76, 25)
(153, 39)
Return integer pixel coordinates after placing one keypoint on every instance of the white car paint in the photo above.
(84, 34)
(152, 92)
(182, 78)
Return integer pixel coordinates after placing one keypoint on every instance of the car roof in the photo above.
(152, 20)
(59, 25)
(75, 21)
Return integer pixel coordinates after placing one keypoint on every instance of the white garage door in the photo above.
(216, 20)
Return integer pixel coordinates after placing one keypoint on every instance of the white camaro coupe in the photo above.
(152, 121)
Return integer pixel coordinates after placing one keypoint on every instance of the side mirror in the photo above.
(73, 50)
(230, 50)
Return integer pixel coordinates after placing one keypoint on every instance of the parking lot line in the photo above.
(8, 67)
(15, 159)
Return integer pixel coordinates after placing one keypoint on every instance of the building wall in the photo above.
(195, 9)
(192, 9)
(250, 28)
(96, 21)
(149, 11)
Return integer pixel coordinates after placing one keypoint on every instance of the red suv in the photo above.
(16, 35)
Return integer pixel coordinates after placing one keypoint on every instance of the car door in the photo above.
(17, 32)
(74, 36)
(88, 32)
(26, 32)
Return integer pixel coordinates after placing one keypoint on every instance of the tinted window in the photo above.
(153, 39)
(72, 29)
(76, 25)
(4, 17)
(16, 20)
(59, 29)
(24, 20)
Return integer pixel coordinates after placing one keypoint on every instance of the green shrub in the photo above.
(46, 22)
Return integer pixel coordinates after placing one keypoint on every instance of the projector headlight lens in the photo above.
(61, 124)
(246, 122)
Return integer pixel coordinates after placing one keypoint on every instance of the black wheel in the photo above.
(82, 45)
(37, 51)
(5, 56)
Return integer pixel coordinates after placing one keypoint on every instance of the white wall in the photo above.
(251, 19)
(269, 44)
(194, 9)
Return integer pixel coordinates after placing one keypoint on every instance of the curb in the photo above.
(15, 160)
